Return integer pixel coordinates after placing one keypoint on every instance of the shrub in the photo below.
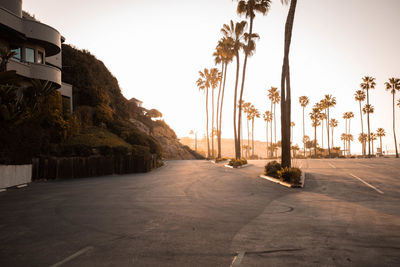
(290, 175)
(272, 168)
(219, 160)
(237, 162)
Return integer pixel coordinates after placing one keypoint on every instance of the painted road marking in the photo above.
(73, 256)
(238, 259)
(333, 166)
(367, 184)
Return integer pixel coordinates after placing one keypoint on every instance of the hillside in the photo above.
(98, 102)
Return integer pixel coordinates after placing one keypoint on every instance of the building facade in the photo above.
(37, 47)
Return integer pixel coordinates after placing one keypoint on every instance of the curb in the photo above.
(239, 167)
(277, 181)
(13, 187)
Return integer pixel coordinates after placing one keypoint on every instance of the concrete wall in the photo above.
(12, 175)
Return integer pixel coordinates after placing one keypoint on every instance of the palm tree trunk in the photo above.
(208, 141)
(304, 134)
(235, 130)
(380, 139)
(285, 86)
(272, 152)
(322, 134)
(394, 129)
(248, 140)
(252, 138)
(275, 125)
(349, 137)
(266, 136)
(217, 121)
(327, 132)
(315, 141)
(212, 123)
(244, 77)
(220, 112)
(369, 131)
(346, 140)
(362, 129)
(332, 136)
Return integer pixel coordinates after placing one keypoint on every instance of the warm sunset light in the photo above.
(156, 48)
(199, 133)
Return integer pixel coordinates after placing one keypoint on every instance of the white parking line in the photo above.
(333, 166)
(73, 256)
(238, 259)
(367, 184)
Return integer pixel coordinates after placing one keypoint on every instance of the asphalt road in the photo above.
(195, 213)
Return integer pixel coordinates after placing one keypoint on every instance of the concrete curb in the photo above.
(277, 181)
(13, 187)
(240, 167)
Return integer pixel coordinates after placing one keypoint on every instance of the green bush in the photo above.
(237, 162)
(272, 168)
(290, 175)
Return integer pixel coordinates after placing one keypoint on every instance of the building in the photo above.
(37, 47)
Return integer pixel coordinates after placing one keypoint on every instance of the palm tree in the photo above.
(204, 84)
(295, 148)
(333, 124)
(323, 117)
(380, 133)
(267, 118)
(368, 109)
(360, 97)
(248, 8)
(303, 100)
(349, 139)
(315, 117)
(235, 31)
(285, 87)
(392, 86)
(372, 137)
(247, 109)
(273, 95)
(368, 84)
(255, 114)
(218, 60)
(329, 102)
(214, 78)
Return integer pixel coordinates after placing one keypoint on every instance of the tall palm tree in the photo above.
(249, 8)
(329, 102)
(226, 50)
(273, 95)
(214, 78)
(392, 85)
(267, 118)
(218, 60)
(304, 101)
(315, 117)
(323, 117)
(255, 114)
(360, 97)
(380, 133)
(235, 31)
(285, 87)
(333, 124)
(247, 109)
(204, 84)
(368, 84)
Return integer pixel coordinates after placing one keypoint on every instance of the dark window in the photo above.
(40, 57)
(17, 52)
(29, 55)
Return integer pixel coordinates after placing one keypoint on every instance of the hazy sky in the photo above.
(155, 48)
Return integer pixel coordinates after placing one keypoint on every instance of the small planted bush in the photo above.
(219, 160)
(237, 162)
(290, 175)
(272, 168)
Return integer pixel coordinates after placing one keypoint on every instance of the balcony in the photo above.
(36, 71)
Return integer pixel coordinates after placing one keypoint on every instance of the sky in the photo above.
(155, 49)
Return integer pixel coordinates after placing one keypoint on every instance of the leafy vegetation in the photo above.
(237, 162)
(290, 175)
(272, 168)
